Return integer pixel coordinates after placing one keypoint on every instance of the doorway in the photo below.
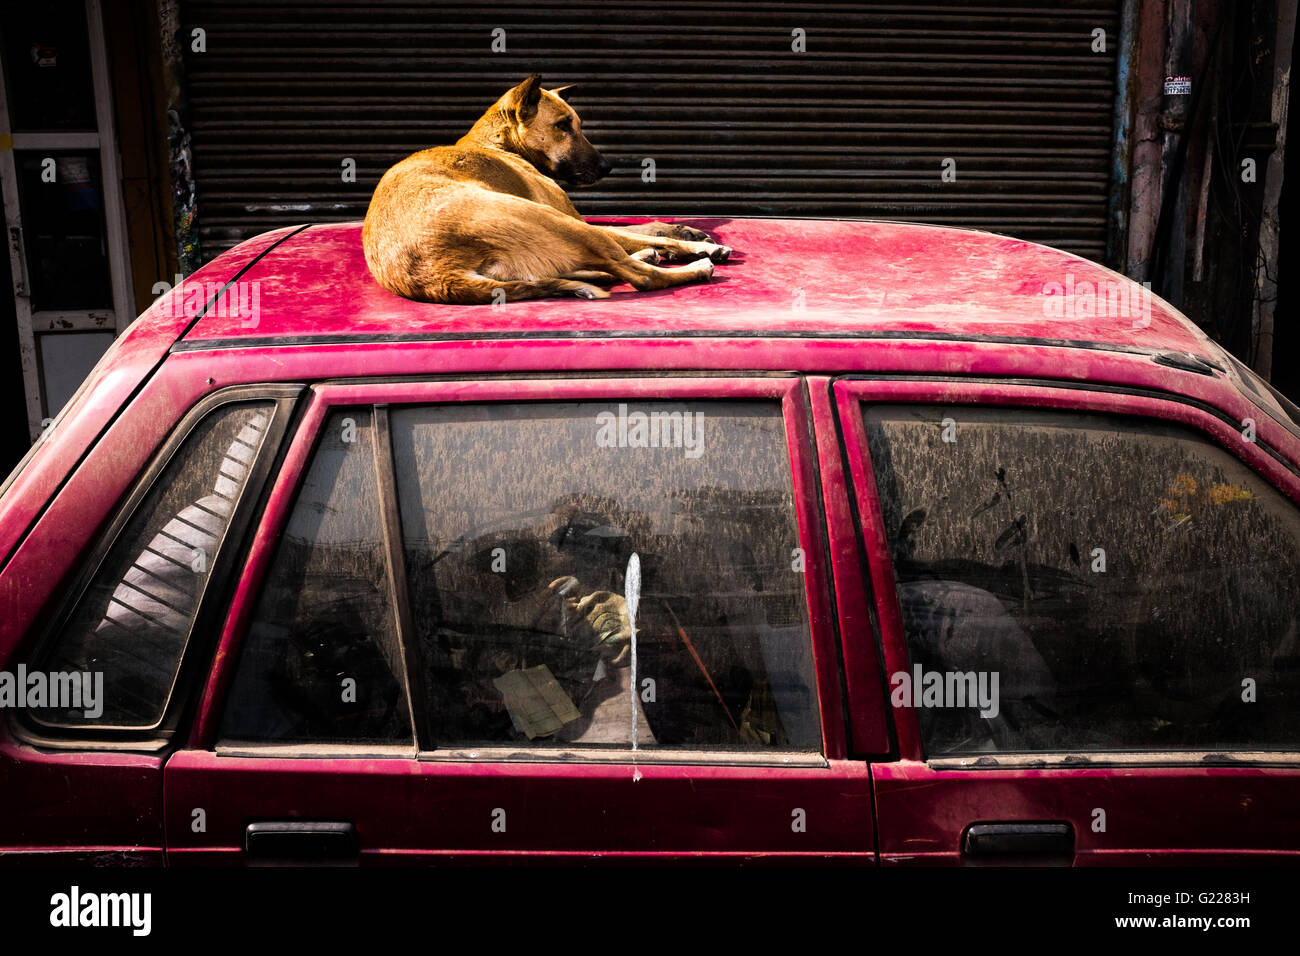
(64, 221)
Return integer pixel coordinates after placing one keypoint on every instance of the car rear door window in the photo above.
(520, 524)
(1117, 584)
(132, 622)
(524, 532)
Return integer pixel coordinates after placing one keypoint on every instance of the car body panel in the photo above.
(417, 809)
(1201, 816)
(79, 808)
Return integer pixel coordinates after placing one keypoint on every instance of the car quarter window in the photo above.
(1085, 582)
(519, 523)
(321, 661)
(132, 622)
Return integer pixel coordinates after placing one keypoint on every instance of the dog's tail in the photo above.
(471, 288)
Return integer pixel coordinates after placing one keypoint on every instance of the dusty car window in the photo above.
(320, 660)
(132, 623)
(520, 523)
(1101, 583)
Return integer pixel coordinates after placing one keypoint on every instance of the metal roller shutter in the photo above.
(736, 122)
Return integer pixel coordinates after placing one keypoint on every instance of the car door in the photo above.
(552, 618)
(1087, 602)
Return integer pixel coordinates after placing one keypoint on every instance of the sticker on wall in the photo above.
(44, 54)
(1178, 85)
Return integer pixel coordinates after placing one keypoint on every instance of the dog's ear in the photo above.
(560, 89)
(521, 102)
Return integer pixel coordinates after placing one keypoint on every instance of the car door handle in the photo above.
(301, 843)
(989, 840)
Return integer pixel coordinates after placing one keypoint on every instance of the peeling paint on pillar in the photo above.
(184, 206)
(184, 199)
(1122, 153)
(1144, 190)
(1175, 120)
(1266, 274)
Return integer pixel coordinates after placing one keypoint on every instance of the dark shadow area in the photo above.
(14, 440)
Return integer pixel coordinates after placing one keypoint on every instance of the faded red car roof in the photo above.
(786, 276)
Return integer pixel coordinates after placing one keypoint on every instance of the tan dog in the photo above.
(485, 221)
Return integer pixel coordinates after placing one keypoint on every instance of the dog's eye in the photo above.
(565, 125)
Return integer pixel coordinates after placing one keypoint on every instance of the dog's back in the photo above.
(432, 215)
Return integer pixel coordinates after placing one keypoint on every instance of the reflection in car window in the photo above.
(133, 621)
(1131, 586)
(519, 522)
(321, 661)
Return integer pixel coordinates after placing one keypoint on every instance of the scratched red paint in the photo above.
(854, 276)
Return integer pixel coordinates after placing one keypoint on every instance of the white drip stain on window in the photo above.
(632, 594)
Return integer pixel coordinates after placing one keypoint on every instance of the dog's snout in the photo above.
(603, 169)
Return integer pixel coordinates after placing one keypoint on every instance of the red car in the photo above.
(892, 544)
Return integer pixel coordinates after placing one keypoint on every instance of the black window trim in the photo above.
(209, 611)
(1073, 760)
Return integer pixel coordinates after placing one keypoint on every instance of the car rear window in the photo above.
(132, 622)
(1128, 585)
(526, 530)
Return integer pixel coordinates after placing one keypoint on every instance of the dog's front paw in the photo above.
(720, 253)
(689, 233)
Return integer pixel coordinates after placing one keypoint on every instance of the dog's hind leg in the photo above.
(472, 289)
(644, 276)
(592, 276)
(529, 251)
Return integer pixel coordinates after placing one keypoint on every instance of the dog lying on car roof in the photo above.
(485, 220)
